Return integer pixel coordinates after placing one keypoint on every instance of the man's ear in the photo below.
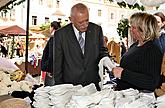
(70, 19)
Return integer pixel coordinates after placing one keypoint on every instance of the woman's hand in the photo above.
(117, 71)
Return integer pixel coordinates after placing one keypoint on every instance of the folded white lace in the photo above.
(87, 90)
(105, 61)
(87, 100)
(87, 97)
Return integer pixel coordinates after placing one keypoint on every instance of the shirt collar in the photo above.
(77, 32)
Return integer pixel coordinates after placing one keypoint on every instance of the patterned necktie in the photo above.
(81, 41)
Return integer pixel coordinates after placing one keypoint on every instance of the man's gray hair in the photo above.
(78, 7)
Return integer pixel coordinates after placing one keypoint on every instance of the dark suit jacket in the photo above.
(70, 64)
(47, 57)
(47, 61)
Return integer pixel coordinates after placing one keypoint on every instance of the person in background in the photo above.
(161, 23)
(105, 41)
(38, 50)
(161, 42)
(18, 48)
(54, 26)
(140, 66)
(123, 48)
(3, 50)
(78, 48)
(47, 60)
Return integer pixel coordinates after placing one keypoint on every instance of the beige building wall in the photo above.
(102, 12)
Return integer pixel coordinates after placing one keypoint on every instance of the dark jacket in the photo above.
(142, 67)
(47, 57)
(162, 42)
(47, 61)
(70, 65)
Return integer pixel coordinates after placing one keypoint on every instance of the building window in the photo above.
(112, 15)
(99, 12)
(40, 2)
(12, 14)
(46, 20)
(34, 20)
(57, 3)
(2, 14)
(50, 3)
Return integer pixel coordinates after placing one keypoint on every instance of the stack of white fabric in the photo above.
(9, 72)
(55, 96)
(160, 102)
(41, 98)
(60, 95)
(89, 100)
(131, 98)
(107, 98)
(69, 96)
(7, 86)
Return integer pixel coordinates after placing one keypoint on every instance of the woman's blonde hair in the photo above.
(146, 24)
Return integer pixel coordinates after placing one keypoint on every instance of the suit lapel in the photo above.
(87, 42)
(88, 46)
(73, 39)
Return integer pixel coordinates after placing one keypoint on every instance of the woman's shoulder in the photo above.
(152, 46)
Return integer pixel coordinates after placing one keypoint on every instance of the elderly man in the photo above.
(78, 48)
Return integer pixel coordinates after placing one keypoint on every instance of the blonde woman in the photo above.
(140, 67)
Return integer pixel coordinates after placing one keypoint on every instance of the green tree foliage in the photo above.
(45, 26)
(125, 5)
(123, 28)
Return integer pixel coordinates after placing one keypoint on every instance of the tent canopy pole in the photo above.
(27, 36)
